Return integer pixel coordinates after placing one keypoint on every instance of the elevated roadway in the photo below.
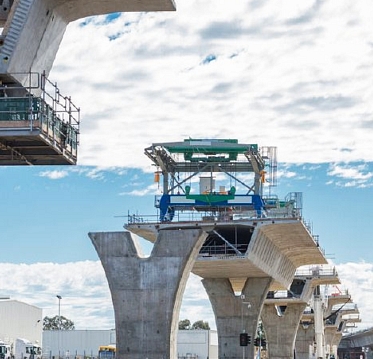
(238, 249)
(357, 345)
(240, 261)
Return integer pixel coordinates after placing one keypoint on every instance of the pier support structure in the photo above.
(147, 292)
(281, 325)
(235, 314)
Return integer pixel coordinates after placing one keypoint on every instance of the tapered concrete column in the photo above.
(236, 314)
(304, 340)
(281, 330)
(332, 339)
(147, 292)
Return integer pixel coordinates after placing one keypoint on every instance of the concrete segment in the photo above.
(147, 292)
(236, 314)
(276, 248)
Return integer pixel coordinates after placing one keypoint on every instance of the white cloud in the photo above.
(293, 75)
(350, 175)
(83, 287)
(151, 189)
(55, 174)
(357, 278)
(349, 171)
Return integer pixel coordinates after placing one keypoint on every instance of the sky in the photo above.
(289, 74)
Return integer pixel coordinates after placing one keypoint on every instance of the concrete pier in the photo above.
(281, 325)
(147, 292)
(235, 314)
(281, 316)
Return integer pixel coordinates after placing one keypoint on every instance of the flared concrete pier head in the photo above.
(235, 314)
(147, 292)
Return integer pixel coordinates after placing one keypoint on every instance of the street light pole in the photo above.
(59, 311)
(59, 323)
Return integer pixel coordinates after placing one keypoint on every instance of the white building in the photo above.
(191, 344)
(201, 344)
(20, 320)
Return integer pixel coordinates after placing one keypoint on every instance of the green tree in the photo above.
(200, 324)
(57, 323)
(184, 324)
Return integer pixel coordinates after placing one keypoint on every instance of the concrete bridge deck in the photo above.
(249, 248)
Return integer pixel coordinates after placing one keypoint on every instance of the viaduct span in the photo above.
(243, 245)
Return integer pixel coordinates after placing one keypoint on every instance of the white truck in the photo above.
(24, 349)
(5, 351)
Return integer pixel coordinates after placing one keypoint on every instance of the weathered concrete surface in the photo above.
(281, 330)
(301, 292)
(332, 339)
(304, 340)
(33, 29)
(147, 292)
(236, 314)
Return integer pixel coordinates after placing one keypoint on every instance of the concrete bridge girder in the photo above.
(275, 250)
(147, 292)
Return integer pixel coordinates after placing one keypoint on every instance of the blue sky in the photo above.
(50, 210)
(295, 75)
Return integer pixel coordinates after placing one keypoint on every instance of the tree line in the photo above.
(62, 323)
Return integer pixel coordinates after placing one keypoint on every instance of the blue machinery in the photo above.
(230, 176)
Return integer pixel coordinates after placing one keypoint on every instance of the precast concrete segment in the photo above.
(147, 292)
(275, 250)
(235, 314)
(281, 329)
(34, 29)
(294, 241)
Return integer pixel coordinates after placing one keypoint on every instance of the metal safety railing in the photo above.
(40, 106)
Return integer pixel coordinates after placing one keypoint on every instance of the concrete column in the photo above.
(305, 340)
(332, 340)
(281, 330)
(147, 292)
(234, 314)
